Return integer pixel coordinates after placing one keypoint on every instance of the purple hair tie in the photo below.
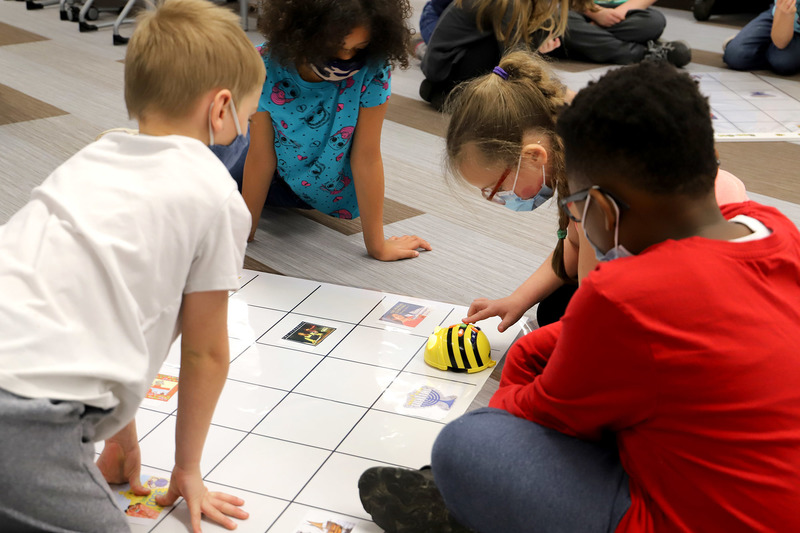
(500, 72)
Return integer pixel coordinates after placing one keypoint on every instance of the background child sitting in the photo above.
(472, 35)
(315, 141)
(133, 240)
(621, 32)
(666, 398)
(769, 41)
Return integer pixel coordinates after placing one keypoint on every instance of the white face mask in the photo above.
(511, 200)
(617, 250)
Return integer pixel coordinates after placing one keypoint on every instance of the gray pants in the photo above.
(621, 44)
(47, 471)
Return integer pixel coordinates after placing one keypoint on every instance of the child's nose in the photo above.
(346, 55)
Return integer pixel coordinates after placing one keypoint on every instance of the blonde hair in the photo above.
(183, 49)
(494, 114)
(513, 21)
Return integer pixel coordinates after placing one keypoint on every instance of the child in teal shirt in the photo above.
(315, 140)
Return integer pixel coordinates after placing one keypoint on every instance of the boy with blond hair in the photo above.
(133, 240)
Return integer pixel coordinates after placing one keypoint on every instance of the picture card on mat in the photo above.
(406, 314)
(308, 333)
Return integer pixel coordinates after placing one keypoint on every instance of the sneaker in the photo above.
(676, 53)
(406, 501)
(418, 47)
(702, 9)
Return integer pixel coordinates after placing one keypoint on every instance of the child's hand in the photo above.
(787, 7)
(217, 506)
(605, 17)
(121, 462)
(509, 309)
(404, 247)
(549, 45)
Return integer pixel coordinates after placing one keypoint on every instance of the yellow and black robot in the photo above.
(460, 348)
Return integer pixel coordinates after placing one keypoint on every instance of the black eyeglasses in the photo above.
(574, 213)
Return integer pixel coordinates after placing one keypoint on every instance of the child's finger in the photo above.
(480, 315)
(165, 500)
(136, 484)
(422, 243)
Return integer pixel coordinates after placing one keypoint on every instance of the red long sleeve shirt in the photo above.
(690, 354)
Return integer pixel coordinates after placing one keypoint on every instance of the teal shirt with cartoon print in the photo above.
(314, 125)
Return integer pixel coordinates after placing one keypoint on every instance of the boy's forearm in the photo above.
(201, 380)
(204, 367)
(126, 436)
(782, 29)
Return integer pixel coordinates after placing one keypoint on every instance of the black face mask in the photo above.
(340, 69)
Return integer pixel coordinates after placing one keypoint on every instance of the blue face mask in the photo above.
(232, 155)
(515, 203)
(617, 251)
(340, 69)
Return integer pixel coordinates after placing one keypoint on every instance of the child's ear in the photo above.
(535, 152)
(220, 106)
(604, 203)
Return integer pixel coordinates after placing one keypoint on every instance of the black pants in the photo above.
(552, 308)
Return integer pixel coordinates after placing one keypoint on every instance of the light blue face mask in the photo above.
(232, 155)
(515, 203)
(617, 251)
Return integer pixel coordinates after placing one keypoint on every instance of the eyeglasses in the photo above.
(490, 192)
(569, 207)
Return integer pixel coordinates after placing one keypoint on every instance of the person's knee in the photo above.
(652, 24)
(784, 62)
(740, 57)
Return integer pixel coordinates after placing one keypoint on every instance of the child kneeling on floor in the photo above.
(134, 239)
(666, 398)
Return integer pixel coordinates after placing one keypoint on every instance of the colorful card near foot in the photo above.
(163, 388)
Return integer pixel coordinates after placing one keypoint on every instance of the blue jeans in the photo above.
(752, 49)
(499, 473)
(431, 12)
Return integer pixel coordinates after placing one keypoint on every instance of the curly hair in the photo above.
(311, 31)
(647, 124)
(494, 114)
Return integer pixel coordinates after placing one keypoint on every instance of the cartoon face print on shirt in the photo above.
(382, 78)
(282, 140)
(340, 139)
(317, 169)
(284, 92)
(338, 185)
(317, 117)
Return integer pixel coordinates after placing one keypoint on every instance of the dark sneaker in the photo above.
(405, 501)
(702, 9)
(676, 53)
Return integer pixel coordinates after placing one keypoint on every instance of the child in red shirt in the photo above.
(666, 398)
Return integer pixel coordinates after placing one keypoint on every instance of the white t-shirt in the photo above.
(93, 269)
